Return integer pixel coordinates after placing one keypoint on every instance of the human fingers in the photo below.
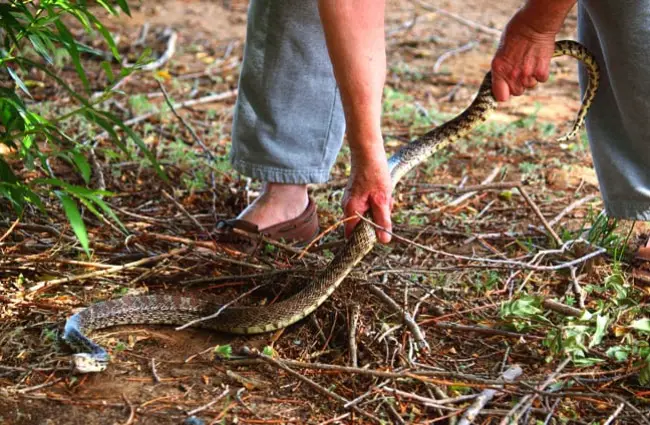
(541, 71)
(509, 73)
(529, 82)
(500, 88)
(380, 205)
(353, 206)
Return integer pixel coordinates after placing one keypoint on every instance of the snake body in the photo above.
(178, 309)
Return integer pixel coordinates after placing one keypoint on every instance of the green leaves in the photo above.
(78, 226)
(12, 111)
(644, 374)
(71, 45)
(521, 307)
(16, 192)
(618, 353)
(523, 313)
(124, 6)
(642, 325)
(91, 199)
(82, 165)
(18, 81)
(601, 330)
(223, 351)
(43, 27)
(10, 24)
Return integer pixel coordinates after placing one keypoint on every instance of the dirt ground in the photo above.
(158, 375)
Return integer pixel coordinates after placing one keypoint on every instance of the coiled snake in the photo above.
(178, 310)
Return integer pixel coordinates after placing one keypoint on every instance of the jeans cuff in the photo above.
(281, 175)
(630, 210)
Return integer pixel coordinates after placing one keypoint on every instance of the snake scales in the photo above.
(178, 310)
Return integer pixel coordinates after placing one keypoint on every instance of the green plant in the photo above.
(223, 351)
(616, 323)
(140, 104)
(404, 109)
(529, 121)
(35, 36)
(528, 168)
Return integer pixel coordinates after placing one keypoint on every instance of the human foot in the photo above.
(280, 212)
(276, 204)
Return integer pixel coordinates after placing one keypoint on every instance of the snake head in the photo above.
(87, 363)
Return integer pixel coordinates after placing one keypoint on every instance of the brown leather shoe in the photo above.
(300, 231)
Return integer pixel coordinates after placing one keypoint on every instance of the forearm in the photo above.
(547, 15)
(354, 30)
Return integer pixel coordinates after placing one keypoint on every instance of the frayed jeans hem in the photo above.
(269, 174)
(628, 210)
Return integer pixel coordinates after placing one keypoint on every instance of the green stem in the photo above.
(7, 59)
(25, 30)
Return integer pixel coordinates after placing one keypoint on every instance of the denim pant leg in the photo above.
(288, 121)
(618, 124)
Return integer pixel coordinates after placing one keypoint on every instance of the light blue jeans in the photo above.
(618, 124)
(288, 123)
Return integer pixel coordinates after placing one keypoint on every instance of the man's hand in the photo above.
(354, 31)
(526, 48)
(369, 189)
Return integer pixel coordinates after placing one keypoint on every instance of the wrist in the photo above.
(546, 16)
(366, 146)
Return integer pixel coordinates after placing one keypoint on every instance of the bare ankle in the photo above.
(294, 193)
(277, 203)
(282, 188)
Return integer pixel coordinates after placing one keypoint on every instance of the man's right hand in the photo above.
(369, 190)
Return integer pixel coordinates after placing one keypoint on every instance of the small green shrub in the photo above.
(37, 36)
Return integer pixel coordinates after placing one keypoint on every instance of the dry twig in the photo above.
(429, 402)
(186, 104)
(210, 404)
(154, 372)
(405, 315)
(165, 57)
(528, 199)
(482, 330)
(570, 208)
(488, 394)
(487, 30)
(405, 26)
(342, 400)
(575, 284)
(526, 401)
(613, 416)
(465, 47)
(221, 309)
(39, 386)
(184, 211)
(561, 308)
(195, 136)
(131, 417)
(49, 284)
(420, 374)
(470, 193)
(507, 263)
(11, 229)
(356, 312)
